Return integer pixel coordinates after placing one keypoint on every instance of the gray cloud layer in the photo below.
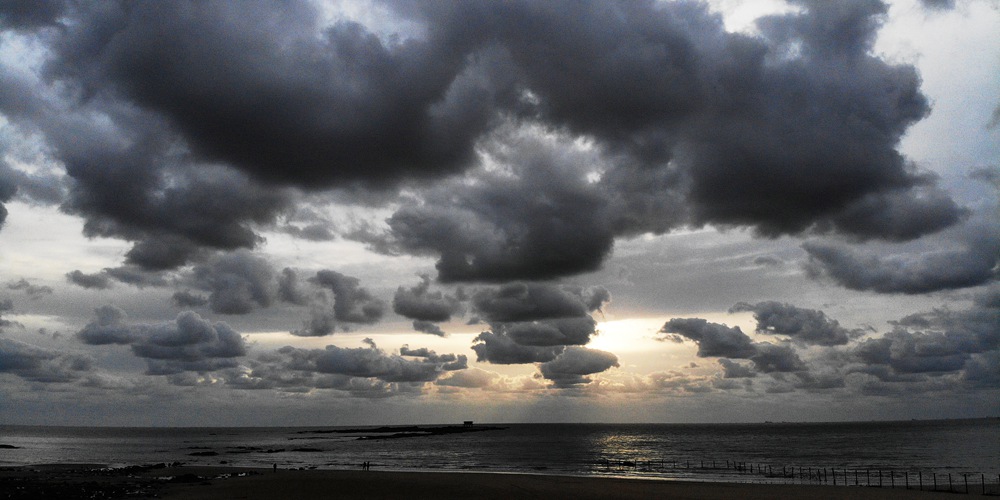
(186, 126)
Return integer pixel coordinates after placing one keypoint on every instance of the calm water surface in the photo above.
(633, 450)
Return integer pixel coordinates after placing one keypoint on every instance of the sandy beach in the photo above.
(415, 485)
(79, 481)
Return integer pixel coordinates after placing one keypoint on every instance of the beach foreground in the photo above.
(418, 485)
(194, 483)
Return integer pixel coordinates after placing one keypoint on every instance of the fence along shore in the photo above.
(753, 472)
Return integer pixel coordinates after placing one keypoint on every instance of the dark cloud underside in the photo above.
(549, 129)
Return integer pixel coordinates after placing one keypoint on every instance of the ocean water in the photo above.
(665, 451)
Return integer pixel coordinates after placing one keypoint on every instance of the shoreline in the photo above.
(203, 482)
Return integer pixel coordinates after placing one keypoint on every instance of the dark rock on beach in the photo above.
(90, 481)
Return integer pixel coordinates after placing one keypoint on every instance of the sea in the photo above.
(751, 453)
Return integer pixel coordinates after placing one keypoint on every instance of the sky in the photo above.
(354, 212)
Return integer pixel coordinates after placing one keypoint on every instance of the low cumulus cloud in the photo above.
(363, 371)
(964, 257)
(913, 273)
(426, 307)
(185, 127)
(38, 364)
(6, 306)
(713, 339)
(917, 354)
(128, 274)
(187, 344)
(533, 322)
(33, 291)
(809, 326)
(97, 281)
(239, 282)
(718, 340)
(343, 304)
(574, 364)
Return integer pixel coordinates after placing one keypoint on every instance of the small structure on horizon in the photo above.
(467, 423)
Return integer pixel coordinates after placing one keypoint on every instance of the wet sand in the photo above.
(316, 484)
(78, 481)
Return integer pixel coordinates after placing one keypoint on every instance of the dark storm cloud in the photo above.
(727, 143)
(129, 177)
(41, 365)
(185, 298)
(33, 291)
(189, 343)
(542, 222)
(809, 326)
(185, 126)
(572, 366)
(899, 216)
(262, 86)
(28, 14)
